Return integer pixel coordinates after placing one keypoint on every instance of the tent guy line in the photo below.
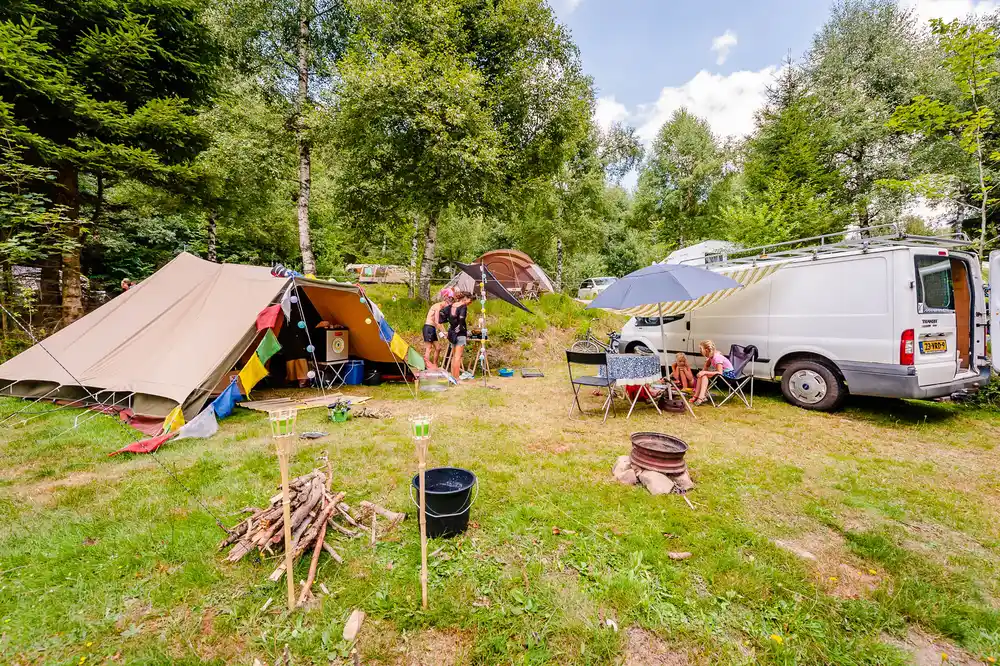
(132, 432)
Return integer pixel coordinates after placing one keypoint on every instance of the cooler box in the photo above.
(354, 372)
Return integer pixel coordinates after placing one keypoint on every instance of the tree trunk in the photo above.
(50, 291)
(559, 265)
(6, 294)
(305, 165)
(412, 289)
(864, 218)
(69, 197)
(427, 263)
(211, 237)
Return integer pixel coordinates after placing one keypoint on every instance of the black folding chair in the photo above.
(741, 357)
(599, 359)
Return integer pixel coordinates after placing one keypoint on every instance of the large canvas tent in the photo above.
(513, 269)
(172, 338)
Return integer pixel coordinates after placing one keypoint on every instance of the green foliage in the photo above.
(970, 57)
(677, 181)
(869, 58)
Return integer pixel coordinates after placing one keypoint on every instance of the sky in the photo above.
(715, 57)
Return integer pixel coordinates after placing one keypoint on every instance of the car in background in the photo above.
(591, 287)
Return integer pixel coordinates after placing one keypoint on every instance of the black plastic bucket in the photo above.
(449, 499)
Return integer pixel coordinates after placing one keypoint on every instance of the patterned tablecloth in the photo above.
(633, 369)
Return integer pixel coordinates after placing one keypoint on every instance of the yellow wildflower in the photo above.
(89, 643)
(833, 579)
(777, 639)
(872, 572)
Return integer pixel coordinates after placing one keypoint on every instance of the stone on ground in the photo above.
(622, 465)
(683, 482)
(656, 483)
(353, 625)
(628, 477)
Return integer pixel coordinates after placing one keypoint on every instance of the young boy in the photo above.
(437, 315)
(458, 331)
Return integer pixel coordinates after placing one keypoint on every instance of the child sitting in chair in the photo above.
(715, 364)
(681, 373)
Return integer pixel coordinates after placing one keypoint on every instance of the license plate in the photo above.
(933, 346)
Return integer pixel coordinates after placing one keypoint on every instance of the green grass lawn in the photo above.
(110, 560)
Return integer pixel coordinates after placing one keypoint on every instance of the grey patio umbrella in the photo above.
(673, 287)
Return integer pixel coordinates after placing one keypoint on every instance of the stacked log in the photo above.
(316, 513)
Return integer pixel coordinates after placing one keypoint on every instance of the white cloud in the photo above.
(722, 45)
(951, 9)
(727, 102)
(565, 6)
(608, 111)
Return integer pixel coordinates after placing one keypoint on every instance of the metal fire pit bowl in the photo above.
(658, 452)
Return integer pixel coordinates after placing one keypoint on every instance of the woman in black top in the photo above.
(459, 330)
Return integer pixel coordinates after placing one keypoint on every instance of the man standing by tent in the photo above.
(437, 316)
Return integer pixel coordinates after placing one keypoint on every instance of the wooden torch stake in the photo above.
(422, 466)
(286, 508)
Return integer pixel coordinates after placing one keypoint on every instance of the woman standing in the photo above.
(459, 330)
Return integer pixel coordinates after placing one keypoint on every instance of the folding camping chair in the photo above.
(592, 359)
(741, 357)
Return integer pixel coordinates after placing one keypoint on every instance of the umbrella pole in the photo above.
(663, 336)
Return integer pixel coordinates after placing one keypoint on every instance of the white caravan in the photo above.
(894, 316)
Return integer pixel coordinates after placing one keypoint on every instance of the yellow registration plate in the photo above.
(933, 346)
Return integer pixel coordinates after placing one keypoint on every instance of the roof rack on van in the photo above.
(880, 236)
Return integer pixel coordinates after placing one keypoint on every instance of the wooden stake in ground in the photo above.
(421, 437)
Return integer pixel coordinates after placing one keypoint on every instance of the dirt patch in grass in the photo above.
(437, 648)
(380, 643)
(925, 650)
(644, 648)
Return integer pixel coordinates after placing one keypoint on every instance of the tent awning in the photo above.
(746, 276)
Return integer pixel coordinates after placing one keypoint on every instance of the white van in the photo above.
(894, 316)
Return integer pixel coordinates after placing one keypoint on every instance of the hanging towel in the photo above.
(252, 372)
(202, 426)
(269, 346)
(224, 404)
(174, 420)
(268, 317)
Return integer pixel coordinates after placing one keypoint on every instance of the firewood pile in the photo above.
(317, 515)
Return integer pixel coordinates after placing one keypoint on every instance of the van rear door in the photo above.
(935, 352)
(994, 307)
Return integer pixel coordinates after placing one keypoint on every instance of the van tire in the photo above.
(812, 385)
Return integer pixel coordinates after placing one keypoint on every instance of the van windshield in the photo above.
(935, 291)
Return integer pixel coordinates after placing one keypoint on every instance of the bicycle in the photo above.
(592, 344)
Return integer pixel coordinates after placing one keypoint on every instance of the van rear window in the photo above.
(935, 290)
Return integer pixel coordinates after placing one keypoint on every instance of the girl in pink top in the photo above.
(715, 364)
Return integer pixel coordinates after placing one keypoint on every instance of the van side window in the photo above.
(935, 290)
(655, 321)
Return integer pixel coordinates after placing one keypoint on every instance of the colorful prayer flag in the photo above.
(146, 445)
(252, 372)
(398, 346)
(414, 359)
(268, 317)
(268, 347)
(174, 420)
(224, 404)
(202, 426)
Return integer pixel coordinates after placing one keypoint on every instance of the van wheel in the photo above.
(812, 385)
(639, 348)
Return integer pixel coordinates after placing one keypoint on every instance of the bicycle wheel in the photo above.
(587, 346)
